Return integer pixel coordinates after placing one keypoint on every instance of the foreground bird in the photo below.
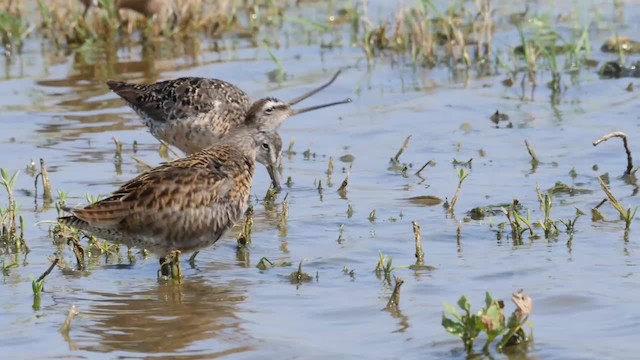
(194, 113)
(184, 205)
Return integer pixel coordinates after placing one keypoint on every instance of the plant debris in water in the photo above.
(299, 277)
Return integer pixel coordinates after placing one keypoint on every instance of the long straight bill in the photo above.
(316, 107)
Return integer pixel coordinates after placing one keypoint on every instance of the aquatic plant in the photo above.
(298, 277)
(462, 176)
(37, 285)
(284, 214)
(519, 224)
(372, 216)
(417, 234)
(66, 325)
(46, 183)
(405, 144)
(8, 215)
(244, 237)
(384, 266)
(61, 202)
(489, 320)
(532, 153)
(548, 225)
(571, 224)
(278, 74)
(394, 299)
(6, 268)
(625, 214)
(13, 29)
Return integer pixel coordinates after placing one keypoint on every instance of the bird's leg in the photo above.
(192, 259)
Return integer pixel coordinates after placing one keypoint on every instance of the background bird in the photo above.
(193, 113)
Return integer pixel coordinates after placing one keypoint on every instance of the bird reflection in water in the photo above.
(192, 318)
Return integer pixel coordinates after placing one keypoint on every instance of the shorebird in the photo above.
(193, 113)
(162, 10)
(183, 205)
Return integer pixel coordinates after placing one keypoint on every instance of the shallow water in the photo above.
(584, 292)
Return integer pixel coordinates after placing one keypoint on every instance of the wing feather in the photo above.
(183, 97)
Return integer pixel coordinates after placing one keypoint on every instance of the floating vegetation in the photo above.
(265, 264)
(498, 116)
(466, 164)
(298, 276)
(425, 200)
(480, 212)
(350, 272)
(560, 188)
(617, 44)
(489, 320)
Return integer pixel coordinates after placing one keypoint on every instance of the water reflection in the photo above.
(165, 318)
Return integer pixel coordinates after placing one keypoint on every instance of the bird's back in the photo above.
(182, 205)
(190, 113)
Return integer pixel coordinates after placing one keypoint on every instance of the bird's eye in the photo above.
(265, 146)
(269, 110)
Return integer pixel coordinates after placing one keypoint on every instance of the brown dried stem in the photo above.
(418, 237)
(394, 300)
(622, 135)
(67, 322)
(49, 270)
(532, 153)
(430, 162)
(46, 183)
(405, 144)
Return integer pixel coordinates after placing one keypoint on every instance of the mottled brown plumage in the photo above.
(194, 113)
(162, 10)
(185, 204)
